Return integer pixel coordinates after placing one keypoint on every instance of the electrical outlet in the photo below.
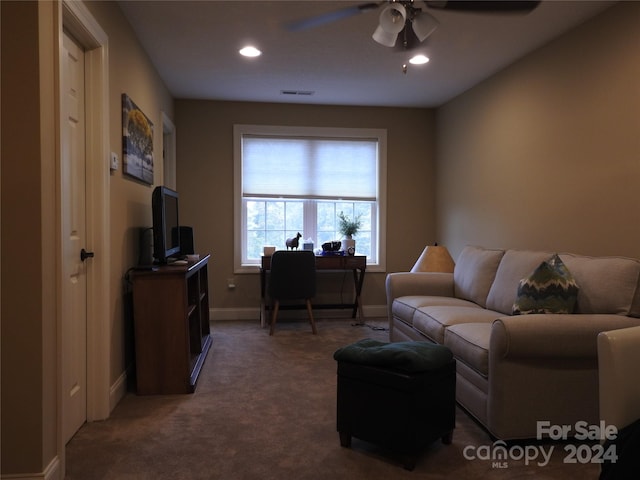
(114, 161)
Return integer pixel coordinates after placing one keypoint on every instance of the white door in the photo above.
(74, 295)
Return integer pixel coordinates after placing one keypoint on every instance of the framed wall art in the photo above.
(137, 142)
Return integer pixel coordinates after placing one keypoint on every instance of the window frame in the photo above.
(319, 132)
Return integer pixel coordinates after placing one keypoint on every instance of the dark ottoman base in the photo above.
(403, 412)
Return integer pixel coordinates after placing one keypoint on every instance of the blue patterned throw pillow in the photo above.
(549, 289)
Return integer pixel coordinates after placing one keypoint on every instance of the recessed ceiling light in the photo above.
(250, 51)
(419, 60)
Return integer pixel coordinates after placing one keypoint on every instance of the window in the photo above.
(293, 180)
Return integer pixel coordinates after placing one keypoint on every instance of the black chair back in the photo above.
(293, 275)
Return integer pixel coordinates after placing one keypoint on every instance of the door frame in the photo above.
(78, 21)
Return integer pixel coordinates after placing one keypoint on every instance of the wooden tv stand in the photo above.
(172, 332)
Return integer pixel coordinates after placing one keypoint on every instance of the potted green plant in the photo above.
(349, 227)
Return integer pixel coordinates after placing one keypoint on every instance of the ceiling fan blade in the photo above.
(329, 17)
(481, 6)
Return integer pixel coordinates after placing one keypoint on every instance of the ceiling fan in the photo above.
(405, 20)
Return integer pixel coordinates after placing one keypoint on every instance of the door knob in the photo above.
(84, 254)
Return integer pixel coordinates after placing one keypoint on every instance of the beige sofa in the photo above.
(516, 370)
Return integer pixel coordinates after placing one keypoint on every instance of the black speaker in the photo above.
(186, 241)
(145, 255)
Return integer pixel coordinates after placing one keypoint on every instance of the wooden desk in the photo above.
(356, 263)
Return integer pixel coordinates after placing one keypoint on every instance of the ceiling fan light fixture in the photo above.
(424, 25)
(392, 18)
(384, 38)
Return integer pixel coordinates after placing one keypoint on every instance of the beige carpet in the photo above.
(265, 409)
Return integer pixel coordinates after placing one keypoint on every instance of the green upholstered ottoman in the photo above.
(400, 396)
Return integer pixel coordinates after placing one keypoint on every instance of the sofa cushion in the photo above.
(469, 343)
(433, 321)
(607, 284)
(549, 289)
(514, 266)
(403, 308)
(474, 273)
(406, 356)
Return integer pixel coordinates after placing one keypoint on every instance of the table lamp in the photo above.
(434, 258)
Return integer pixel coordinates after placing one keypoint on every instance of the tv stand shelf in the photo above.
(172, 332)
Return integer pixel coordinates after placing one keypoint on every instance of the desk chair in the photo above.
(293, 277)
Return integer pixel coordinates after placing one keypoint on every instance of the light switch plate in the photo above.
(114, 161)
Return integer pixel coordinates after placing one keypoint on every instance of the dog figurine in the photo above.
(293, 242)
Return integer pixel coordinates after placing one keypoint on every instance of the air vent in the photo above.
(304, 93)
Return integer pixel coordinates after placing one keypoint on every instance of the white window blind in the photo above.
(313, 168)
(290, 179)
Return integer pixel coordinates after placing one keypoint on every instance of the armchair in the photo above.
(619, 391)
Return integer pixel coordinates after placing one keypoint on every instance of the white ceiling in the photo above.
(194, 45)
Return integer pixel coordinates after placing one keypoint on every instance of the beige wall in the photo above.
(28, 301)
(205, 183)
(546, 154)
(130, 72)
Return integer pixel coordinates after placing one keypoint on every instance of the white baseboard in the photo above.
(226, 314)
(117, 391)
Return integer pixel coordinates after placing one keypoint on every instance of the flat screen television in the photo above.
(166, 226)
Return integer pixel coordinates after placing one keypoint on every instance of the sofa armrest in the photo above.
(545, 368)
(618, 360)
(402, 284)
(550, 335)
